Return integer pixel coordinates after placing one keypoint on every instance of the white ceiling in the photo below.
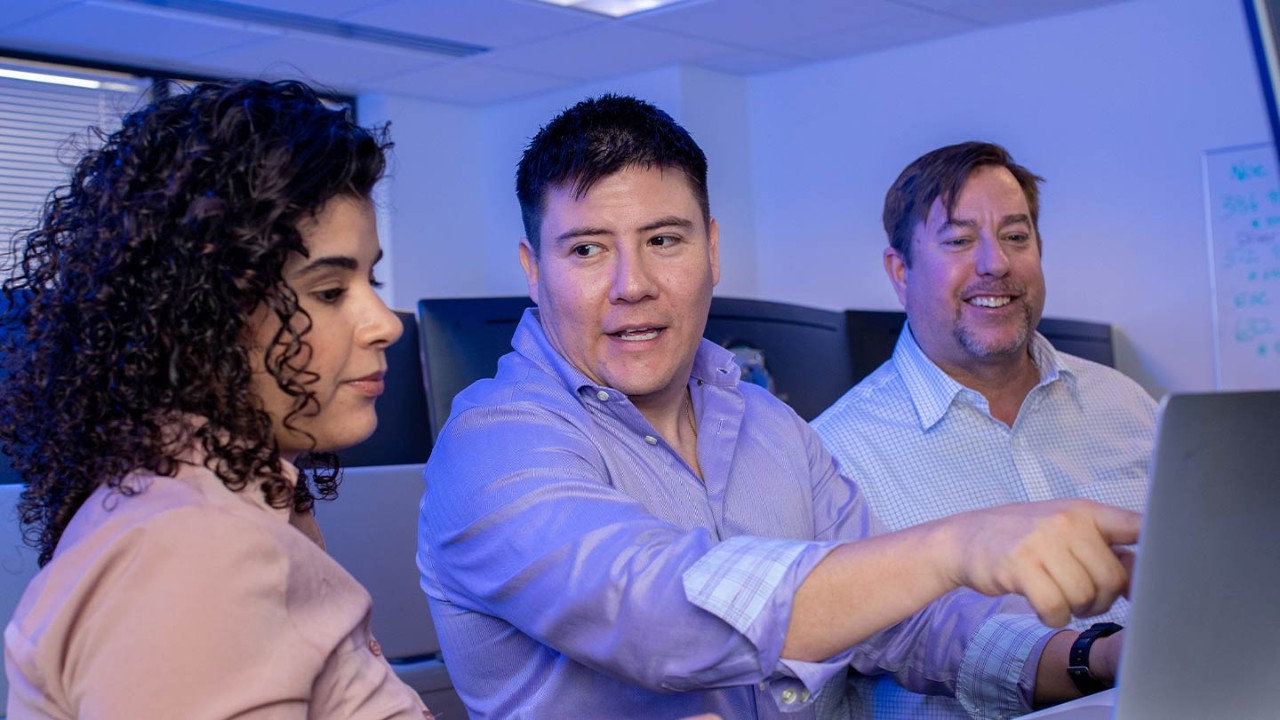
(532, 48)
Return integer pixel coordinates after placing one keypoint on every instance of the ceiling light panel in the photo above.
(613, 8)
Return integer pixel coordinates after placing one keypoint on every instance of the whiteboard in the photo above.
(1242, 207)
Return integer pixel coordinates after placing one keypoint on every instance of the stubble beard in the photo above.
(978, 346)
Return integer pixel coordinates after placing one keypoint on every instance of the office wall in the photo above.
(430, 208)
(451, 221)
(1112, 106)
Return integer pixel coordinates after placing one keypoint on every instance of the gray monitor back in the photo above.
(1204, 635)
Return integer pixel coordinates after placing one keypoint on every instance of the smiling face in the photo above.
(974, 290)
(623, 280)
(350, 331)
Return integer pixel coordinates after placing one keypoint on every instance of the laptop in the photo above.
(1203, 639)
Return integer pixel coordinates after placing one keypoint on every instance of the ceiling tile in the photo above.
(535, 48)
(770, 24)
(338, 64)
(492, 23)
(469, 83)
(12, 13)
(925, 26)
(617, 49)
(129, 33)
(332, 9)
(1000, 12)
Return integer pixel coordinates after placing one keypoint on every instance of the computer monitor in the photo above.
(803, 350)
(1264, 30)
(462, 339)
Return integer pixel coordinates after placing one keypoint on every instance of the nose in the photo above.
(381, 327)
(993, 258)
(632, 278)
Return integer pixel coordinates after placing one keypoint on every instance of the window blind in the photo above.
(44, 128)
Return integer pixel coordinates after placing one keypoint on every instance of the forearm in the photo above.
(862, 588)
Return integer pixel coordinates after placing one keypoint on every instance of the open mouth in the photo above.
(638, 334)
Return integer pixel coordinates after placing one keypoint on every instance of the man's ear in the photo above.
(895, 266)
(713, 240)
(529, 261)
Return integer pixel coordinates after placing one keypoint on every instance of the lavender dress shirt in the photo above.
(576, 566)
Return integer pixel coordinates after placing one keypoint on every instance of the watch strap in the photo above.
(1078, 658)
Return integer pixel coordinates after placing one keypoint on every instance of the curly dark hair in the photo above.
(130, 303)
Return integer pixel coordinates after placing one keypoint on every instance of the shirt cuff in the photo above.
(989, 684)
(739, 581)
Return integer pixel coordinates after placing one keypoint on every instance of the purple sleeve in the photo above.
(534, 534)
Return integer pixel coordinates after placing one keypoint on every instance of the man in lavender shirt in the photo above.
(614, 526)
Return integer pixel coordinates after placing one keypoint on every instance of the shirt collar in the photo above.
(933, 391)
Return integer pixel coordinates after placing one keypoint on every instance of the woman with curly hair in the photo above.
(195, 321)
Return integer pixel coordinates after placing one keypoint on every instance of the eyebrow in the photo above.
(342, 262)
(588, 231)
(1005, 221)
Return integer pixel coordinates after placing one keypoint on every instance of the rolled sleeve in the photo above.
(749, 582)
(989, 684)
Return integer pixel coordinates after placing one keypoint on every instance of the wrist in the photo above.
(1090, 663)
(1105, 656)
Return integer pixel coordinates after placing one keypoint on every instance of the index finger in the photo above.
(1117, 525)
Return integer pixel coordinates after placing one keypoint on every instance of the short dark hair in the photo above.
(942, 173)
(131, 302)
(597, 138)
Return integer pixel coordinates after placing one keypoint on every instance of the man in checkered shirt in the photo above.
(976, 408)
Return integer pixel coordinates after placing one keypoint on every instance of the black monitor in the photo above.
(804, 350)
(1264, 31)
(402, 437)
(462, 339)
(874, 333)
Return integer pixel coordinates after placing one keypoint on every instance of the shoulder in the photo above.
(519, 382)
(167, 553)
(1100, 383)
(876, 399)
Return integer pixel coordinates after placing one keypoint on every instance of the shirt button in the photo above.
(651, 439)
(375, 648)
(789, 696)
(604, 396)
(763, 686)
(804, 696)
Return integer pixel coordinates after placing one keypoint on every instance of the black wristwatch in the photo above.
(1078, 659)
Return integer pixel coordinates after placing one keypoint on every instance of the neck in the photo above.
(665, 410)
(1004, 383)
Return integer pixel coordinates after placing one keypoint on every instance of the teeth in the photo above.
(991, 302)
(637, 335)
